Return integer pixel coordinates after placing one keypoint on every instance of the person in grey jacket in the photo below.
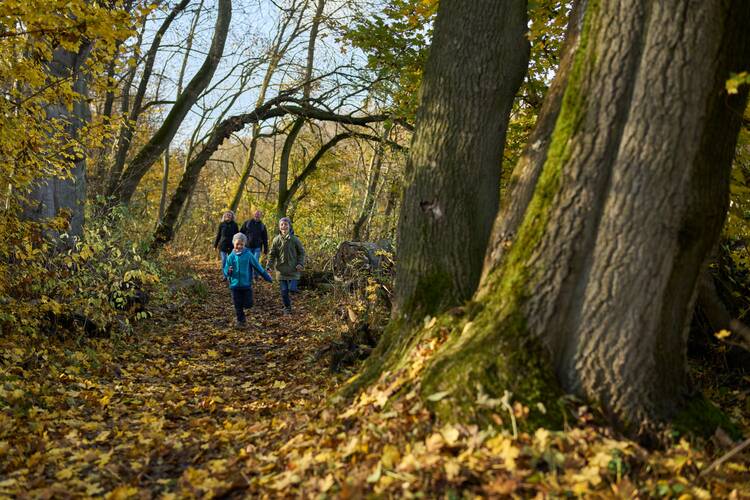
(287, 257)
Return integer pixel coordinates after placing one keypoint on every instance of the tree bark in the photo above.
(51, 195)
(150, 152)
(126, 132)
(452, 178)
(602, 273)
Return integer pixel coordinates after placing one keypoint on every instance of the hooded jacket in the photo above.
(286, 252)
(241, 275)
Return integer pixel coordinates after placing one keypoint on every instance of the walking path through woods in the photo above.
(190, 406)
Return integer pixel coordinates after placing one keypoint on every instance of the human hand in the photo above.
(231, 269)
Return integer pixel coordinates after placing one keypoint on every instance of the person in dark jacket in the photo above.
(223, 241)
(239, 270)
(257, 235)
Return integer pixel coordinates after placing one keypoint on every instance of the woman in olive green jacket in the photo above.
(287, 257)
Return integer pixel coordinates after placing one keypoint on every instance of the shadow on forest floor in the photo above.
(191, 406)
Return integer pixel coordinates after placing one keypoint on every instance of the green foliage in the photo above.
(396, 40)
(100, 282)
(736, 80)
(32, 147)
(732, 269)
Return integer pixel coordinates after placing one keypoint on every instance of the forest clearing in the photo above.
(374, 249)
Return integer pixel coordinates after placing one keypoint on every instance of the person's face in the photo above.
(258, 214)
(227, 217)
(284, 227)
(239, 245)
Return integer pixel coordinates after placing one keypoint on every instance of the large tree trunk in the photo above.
(125, 187)
(602, 271)
(453, 172)
(52, 195)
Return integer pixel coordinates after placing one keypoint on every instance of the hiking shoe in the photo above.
(240, 324)
(287, 311)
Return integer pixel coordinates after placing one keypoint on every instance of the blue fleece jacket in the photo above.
(241, 275)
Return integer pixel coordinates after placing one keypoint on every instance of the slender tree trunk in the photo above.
(164, 186)
(453, 171)
(115, 170)
(602, 271)
(390, 207)
(99, 170)
(283, 197)
(372, 185)
(126, 132)
(279, 49)
(180, 80)
(150, 152)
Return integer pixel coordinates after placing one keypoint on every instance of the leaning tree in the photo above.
(590, 275)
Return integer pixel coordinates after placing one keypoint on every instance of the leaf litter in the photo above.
(190, 406)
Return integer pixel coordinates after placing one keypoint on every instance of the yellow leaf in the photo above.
(503, 447)
(375, 476)
(93, 489)
(450, 434)
(217, 466)
(437, 396)
(104, 459)
(390, 457)
(102, 436)
(722, 334)
(452, 469)
(64, 474)
(326, 483)
(434, 442)
(351, 447)
(122, 493)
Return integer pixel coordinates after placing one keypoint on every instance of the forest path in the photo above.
(189, 406)
(175, 410)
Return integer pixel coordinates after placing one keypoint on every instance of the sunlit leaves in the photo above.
(396, 41)
(736, 80)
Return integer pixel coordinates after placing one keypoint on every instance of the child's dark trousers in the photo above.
(242, 299)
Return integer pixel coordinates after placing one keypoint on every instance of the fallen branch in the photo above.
(734, 451)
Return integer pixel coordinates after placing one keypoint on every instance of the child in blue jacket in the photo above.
(238, 269)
